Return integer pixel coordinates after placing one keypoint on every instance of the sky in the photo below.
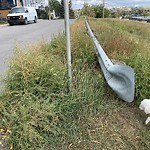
(77, 4)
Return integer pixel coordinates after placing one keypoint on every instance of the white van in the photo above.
(22, 15)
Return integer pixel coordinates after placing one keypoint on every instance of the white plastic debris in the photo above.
(145, 106)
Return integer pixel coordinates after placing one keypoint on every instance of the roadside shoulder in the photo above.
(3, 25)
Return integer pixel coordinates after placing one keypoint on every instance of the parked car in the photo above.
(22, 15)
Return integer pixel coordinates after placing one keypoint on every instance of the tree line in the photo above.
(97, 11)
(58, 7)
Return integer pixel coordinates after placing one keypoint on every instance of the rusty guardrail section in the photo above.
(119, 77)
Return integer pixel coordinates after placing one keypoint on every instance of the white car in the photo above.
(22, 15)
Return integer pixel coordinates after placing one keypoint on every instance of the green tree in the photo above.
(71, 12)
(146, 14)
(62, 11)
(99, 11)
(61, 8)
(88, 10)
(54, 5)
(95, 11)
(43, 14)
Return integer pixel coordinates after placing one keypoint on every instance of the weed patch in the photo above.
(40, 112)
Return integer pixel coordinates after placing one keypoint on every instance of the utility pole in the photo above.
(18, 3)
(67, 28)
(103, 8)
(49, 10)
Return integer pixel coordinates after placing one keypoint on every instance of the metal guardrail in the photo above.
(119, 77)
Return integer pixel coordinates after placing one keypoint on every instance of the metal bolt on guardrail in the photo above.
(119, 77)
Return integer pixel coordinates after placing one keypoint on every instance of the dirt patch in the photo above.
(120, 128)
(128, 120)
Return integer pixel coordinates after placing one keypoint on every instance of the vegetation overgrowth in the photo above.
(42, 114)
(2, 22)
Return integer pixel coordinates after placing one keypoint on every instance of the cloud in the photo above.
(140, 0)
(80, 3)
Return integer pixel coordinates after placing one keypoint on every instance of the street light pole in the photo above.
(67, 29)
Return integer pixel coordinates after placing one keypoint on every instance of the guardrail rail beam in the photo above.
(119, 76)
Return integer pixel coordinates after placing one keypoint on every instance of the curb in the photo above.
(3, 25)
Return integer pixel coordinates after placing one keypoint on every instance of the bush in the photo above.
(42, 14)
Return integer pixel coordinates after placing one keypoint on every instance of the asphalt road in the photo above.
(24, 35)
